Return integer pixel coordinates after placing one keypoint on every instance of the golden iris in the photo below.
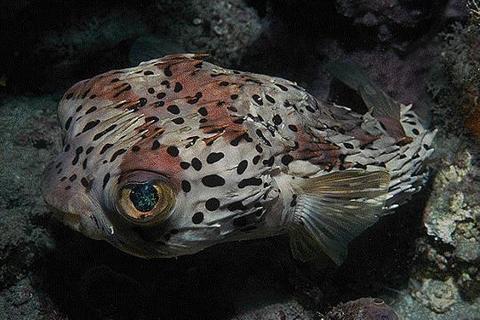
(146, 203)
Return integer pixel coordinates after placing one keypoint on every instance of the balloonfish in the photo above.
(178, 154)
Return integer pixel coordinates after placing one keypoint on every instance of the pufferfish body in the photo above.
(177, 154)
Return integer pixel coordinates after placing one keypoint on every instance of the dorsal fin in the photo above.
(381, 105)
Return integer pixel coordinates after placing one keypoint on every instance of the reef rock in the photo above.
(439, 296)
(362, 309)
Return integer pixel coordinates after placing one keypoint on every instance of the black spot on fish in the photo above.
(117, 153)
(348, 145)
(269, 98)
(269, 162)
(214, 157)
(78, 151)
(178, 120)
(257, 99)
(286, 159)
(125, 89)
(167, 71)
(196, 164)
(105, 148)
(155, 145)
(102, 133)
(197, 218)
(213, 181)
(178, 87)
(142, 102)
(195, 99)
(250, 182)
(242, 166)
(184, 165)
(87, 184)
(67, 123)
(212, 204)
(105, 180)
(92, 109)
(173, 151)
(151, 119)
(90, 125)
(173, 109)
(277, 120)
(186, 186)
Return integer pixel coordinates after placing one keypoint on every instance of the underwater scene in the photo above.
(240, 159)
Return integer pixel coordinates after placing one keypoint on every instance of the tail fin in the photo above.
(412, 140)
(334, 208)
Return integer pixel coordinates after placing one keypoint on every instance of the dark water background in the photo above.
(49, 272)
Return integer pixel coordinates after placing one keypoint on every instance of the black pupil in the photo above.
(144, 197)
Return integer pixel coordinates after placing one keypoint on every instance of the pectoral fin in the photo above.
(335, 208)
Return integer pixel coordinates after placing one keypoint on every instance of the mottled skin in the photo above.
(229, 143)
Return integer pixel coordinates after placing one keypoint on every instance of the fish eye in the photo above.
(146, 203)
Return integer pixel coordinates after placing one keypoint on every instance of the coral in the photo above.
(451, 251)
(451, 211)
(454, 82)
(362, 309)
(51, 46)
(391, 19)
(285, 310)
(91, 34)
(224, 29)
(439, 296)
(452, 220)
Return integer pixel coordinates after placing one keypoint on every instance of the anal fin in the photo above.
(335, 208)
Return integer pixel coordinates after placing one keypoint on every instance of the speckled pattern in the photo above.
(230, 144)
